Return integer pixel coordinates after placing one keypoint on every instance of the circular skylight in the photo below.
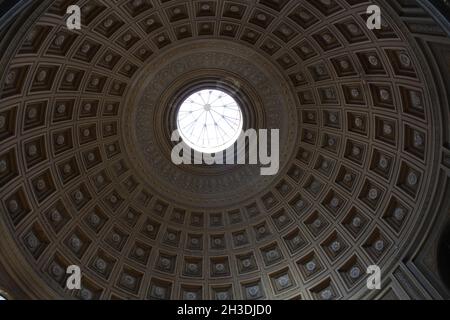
(209, 121)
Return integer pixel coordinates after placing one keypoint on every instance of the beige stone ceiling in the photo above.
(85, 171)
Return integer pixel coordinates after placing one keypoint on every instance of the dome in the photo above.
(87, 178)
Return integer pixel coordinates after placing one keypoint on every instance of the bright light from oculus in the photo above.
(209, 121)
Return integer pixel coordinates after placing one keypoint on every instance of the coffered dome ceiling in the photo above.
(85, 171)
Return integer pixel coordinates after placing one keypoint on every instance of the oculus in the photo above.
(209, 121)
